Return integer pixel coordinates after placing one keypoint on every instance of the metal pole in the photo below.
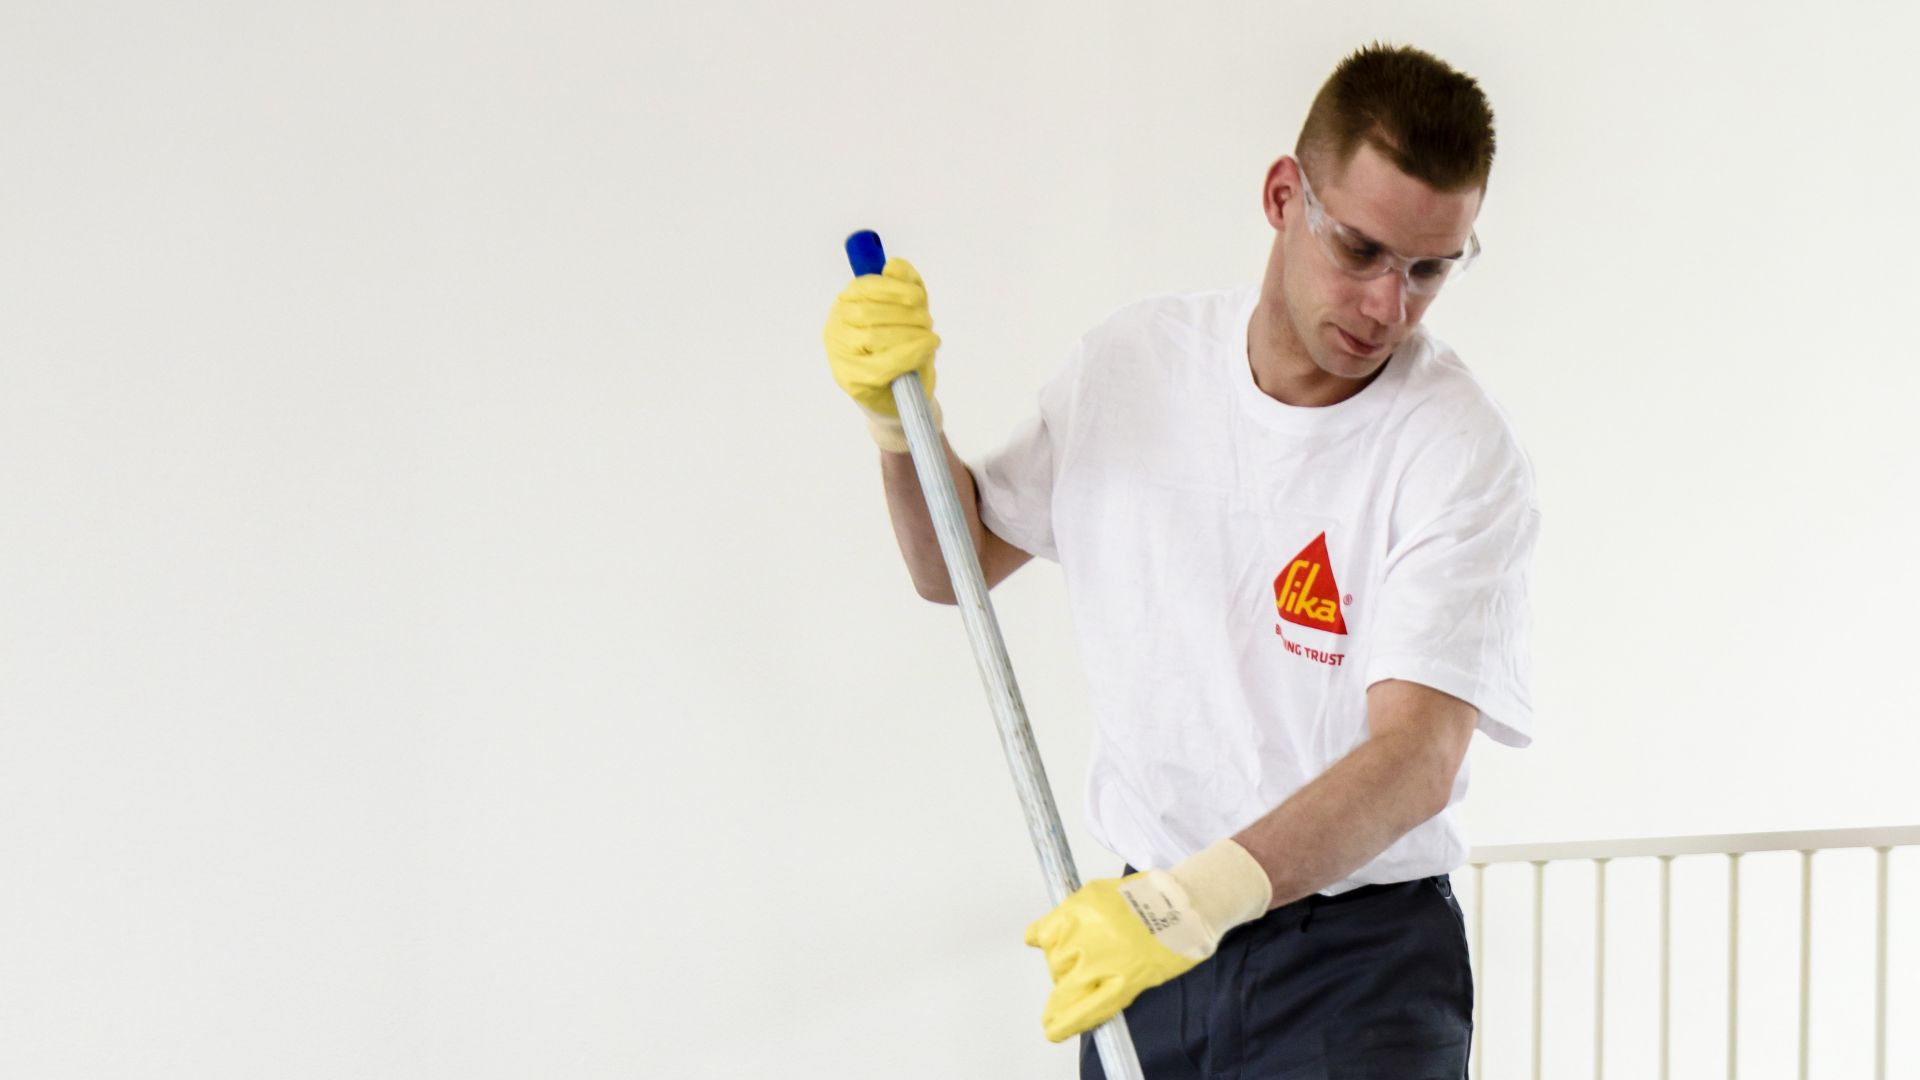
(1117, 1055)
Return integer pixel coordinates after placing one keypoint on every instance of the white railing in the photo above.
(1666, 849)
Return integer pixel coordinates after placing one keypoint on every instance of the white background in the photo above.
(448, 621)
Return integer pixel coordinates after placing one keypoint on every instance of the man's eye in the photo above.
(1362, 252)
(1430, 268)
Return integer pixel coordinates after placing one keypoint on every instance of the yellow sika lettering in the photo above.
(1300, 602)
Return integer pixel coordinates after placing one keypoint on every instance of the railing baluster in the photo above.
(1539, 951)
(1880, 970)
(1599, 968)
(1733, 966)
(1666, 955)
(1479, 946)
(1806, 953)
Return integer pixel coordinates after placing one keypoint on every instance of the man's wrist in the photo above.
(1226, 885)
(890, 434)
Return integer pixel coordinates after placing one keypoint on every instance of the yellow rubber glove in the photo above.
(878, 330)
(1116, 937)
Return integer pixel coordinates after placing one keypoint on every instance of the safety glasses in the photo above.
(1358, 255)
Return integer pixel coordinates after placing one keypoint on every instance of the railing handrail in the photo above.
(1886, 836)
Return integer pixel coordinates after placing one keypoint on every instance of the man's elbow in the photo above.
(1438, 778)
(1428, 770)
(939, 592)
(1438, 798)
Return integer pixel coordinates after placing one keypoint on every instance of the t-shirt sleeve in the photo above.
(1453, 611)
(1016, 481)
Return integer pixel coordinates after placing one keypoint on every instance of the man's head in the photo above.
(1375, 208)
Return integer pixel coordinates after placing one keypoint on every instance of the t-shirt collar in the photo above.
(1355, 411)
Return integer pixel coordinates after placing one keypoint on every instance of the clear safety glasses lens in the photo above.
(1362, 258)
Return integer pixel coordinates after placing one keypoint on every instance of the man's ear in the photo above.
(1280, 193)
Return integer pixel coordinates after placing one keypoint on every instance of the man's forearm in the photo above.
(913, 527)
(913, 523)
(1349, 814)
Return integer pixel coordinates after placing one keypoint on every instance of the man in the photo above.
(1296, 534)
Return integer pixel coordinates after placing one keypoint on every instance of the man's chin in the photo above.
(1352, 368)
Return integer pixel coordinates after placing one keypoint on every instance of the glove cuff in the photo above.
(1226, 885)
(890, 434)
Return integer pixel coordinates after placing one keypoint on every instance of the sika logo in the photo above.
(1306, 593)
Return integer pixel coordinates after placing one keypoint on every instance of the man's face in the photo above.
(1346, 325)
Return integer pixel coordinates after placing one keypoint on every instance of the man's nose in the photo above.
(1386, 298)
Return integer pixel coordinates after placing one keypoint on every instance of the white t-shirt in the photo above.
(1241, 570)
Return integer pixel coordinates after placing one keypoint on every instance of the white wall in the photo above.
(448, 623)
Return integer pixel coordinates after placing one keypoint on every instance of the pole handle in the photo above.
(867, 255)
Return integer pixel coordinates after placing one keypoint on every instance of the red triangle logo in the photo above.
(1306, 593)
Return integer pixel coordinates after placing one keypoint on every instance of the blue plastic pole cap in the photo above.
(865, 253)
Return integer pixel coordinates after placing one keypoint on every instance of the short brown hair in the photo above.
(1431, 121)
